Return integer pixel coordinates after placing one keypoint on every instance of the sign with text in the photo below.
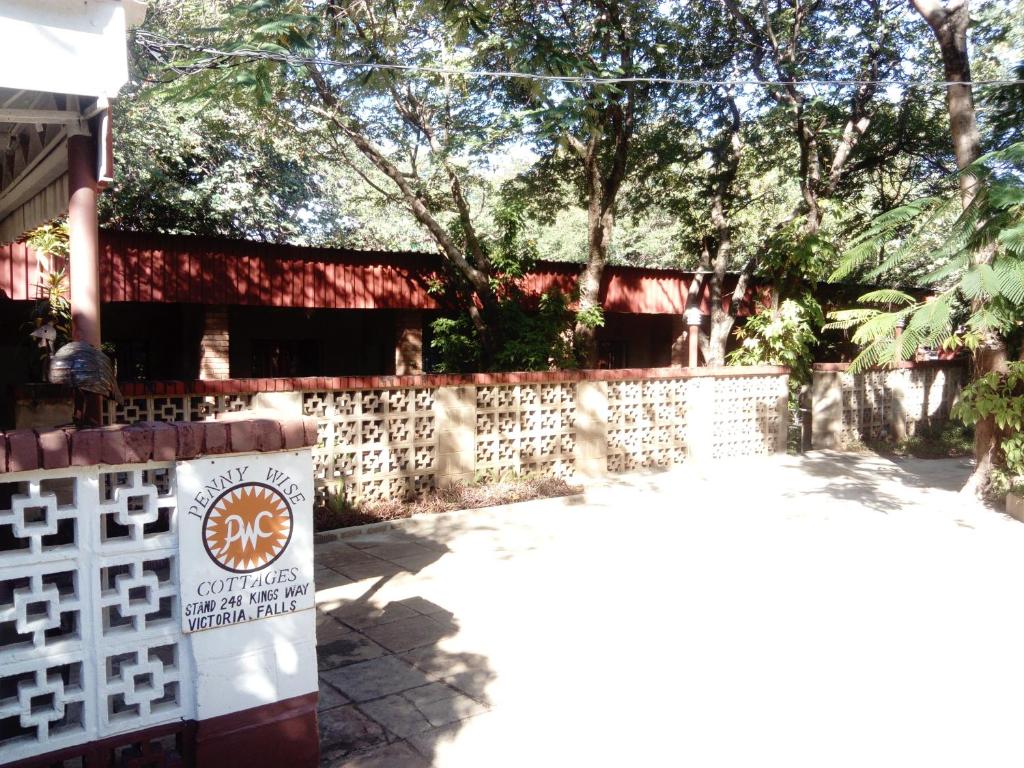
(245, 538)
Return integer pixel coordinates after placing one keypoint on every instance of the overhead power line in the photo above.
(157, 43)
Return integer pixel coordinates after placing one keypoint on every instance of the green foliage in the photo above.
(1001, 397)
(783, 336)
(51, 239)
(538, 340)
(978, 259)
(940, 440)
(590, 317)
(456, 345)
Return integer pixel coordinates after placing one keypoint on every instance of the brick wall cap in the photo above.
(958, 362)
(137, 442)
(427, 380)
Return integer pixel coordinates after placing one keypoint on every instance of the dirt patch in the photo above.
(339, 514)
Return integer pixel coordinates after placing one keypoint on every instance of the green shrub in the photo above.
(783, 336)
(1001, 397)
(535, 340)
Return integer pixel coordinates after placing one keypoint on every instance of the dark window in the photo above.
(274, 358)
(611, 354)
(131, 359)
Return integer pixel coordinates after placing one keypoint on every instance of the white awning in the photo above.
(66, 46)
(60, 60)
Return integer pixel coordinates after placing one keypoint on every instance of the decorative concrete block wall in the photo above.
(882, 404)
(381, 443)
(93, 659)
(392, 437)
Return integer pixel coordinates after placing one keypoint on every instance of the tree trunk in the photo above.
(728, 158)
(949, 22)
(600, 226)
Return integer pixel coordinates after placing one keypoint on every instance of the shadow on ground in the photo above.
(875, 482)
(864, 478)
(388, 691)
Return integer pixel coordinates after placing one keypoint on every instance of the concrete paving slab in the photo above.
(399, 715)
(330, 697)
(360, 615)
(406, 634)
(825, 610)
(374, 679)
(346, 649)
(375, 569)
(344, 730)
(398, 755)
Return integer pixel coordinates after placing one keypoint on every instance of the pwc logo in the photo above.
(247, 527)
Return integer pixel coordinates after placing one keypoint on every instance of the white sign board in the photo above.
(245, 538)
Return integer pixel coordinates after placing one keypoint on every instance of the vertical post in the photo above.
(700, 418)
(693, 322)
(590, 452)
(455, 420)
(826, 410)
(897, 384)
(678, 355)
(83, 227)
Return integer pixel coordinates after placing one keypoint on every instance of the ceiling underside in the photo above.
(34, 128)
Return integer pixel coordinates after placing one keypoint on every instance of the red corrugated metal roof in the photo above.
(203, 270)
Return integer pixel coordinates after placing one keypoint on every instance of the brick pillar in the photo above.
(214, 345)
(826, 410)
(409, 343)
(897, 382)
(678, 359)
(700, 418)
(455, 420)
(591, 449)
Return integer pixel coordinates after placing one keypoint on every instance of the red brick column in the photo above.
(215, 344)
(409, 343)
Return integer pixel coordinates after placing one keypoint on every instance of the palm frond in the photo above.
(878, 327)
(845, 319)
(884, 228)
(1010, 275)
(1012, 239)
(959, 262)
(887, 296)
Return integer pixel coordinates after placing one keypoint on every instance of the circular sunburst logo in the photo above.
(247, 528)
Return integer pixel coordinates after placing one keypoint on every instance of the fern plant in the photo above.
(975, 257)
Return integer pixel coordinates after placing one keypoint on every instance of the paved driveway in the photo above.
(830, 610)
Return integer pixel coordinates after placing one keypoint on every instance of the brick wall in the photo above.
(214, 346)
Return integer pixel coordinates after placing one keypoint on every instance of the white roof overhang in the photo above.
(60, 61)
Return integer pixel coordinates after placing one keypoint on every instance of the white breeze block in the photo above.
(91, 641)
